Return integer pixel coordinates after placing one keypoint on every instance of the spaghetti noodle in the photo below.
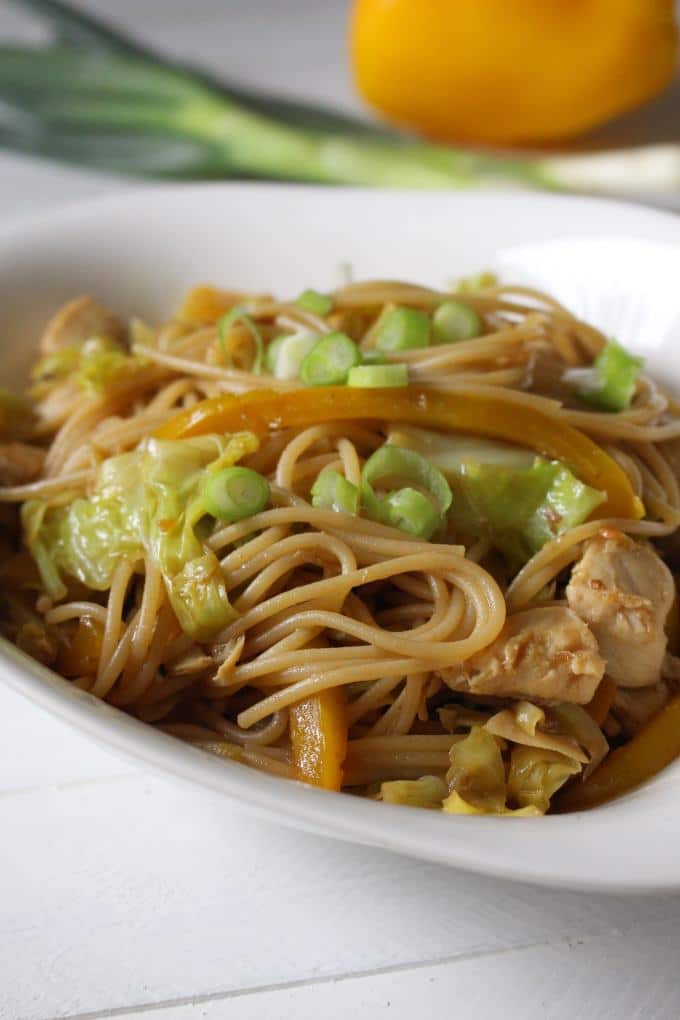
(375, 621)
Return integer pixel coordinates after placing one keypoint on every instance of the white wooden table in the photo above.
(123, 894)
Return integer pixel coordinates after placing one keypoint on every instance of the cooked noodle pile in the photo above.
(347, 648)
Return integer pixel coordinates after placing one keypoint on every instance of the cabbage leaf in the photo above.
(504, 492)
(93, 365)
(426, 792)
(145, 502)
(477, 777)
(477, 772)
(536, 774)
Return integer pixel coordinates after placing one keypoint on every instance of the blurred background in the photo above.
(594, 82)
(297, 48)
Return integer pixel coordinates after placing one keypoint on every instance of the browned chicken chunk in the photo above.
(19, 463)
(80, 320)
(623, 590)
(546, 654)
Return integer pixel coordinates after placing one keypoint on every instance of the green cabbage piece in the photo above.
(477, 773)
(521, 509)
(457, 805)
(93, 365)
(426, 792)
(477, 780)
(504, 492)
(101, 361)
(146, 502)
(535, 774)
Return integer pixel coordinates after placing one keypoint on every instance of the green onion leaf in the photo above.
(230, 319)
(408, 508)
(329, 361)
(95, 97)
(314, 302)
(234, 493)
(378, 376)
(454, 321)
(609, 384)
(332, 491)
(403, 329)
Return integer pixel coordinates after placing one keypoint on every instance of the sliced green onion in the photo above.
(370, 356)
(378, 376)
(332, 491)
(230, 319)
(234, 493)
(272, 353)
(454, 321)
(403, 329)
(315, 302)
(329, 361)
(476, 282)
(408, 509)
(609, 384)
(290, 351)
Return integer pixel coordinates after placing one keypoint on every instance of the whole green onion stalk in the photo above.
(94, 97)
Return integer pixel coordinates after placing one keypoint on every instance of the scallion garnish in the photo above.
(609, 384)
(403, 329)
(230, 319)
(272, 352)
(234, 493)
(411, 509)
(315, 302)
(332, 491)
(453, 321)
(378, 376)
(329, 361)
(286, 354)
(371, 356)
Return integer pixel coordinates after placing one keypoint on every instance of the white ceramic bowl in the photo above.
(140, 250)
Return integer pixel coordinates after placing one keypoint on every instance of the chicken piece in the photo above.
(19, 463)
(624, 591)
(545, 654)
(80, 320)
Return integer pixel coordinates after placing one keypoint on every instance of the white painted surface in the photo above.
(120, 891)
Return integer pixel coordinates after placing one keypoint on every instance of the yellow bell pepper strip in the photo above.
(205, 304)
(494, 415)
(318, 737)
(79, 653)
(599, 705)
(506, 71)
(673, 622)
(652, 749)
